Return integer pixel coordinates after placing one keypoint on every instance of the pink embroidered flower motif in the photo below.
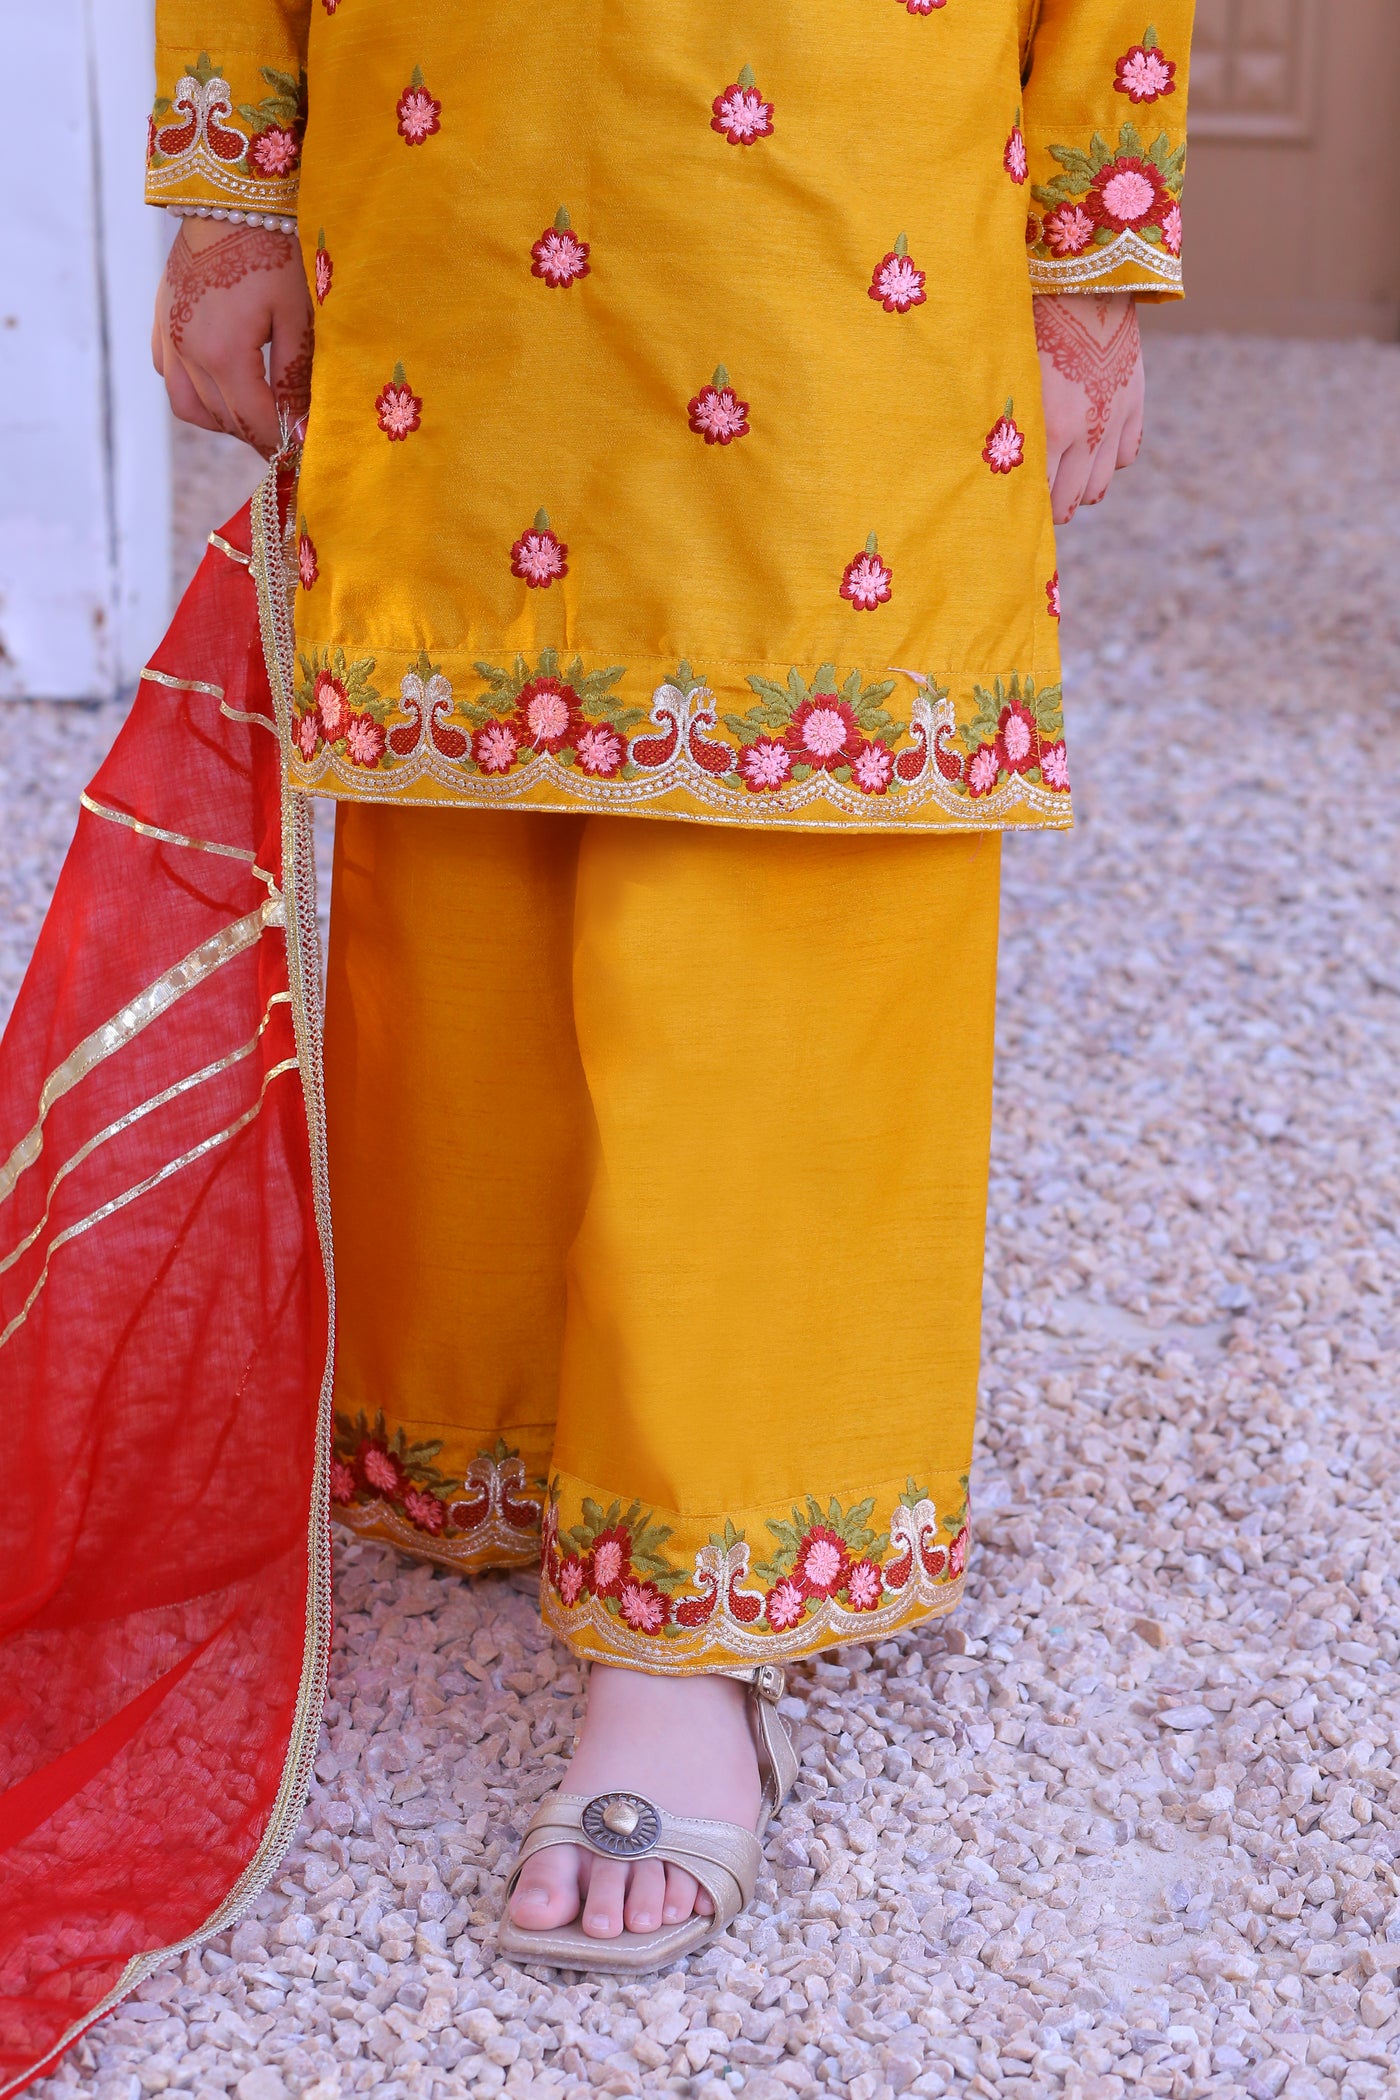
(364, 740)
(864, 1586)
(495, 747)
(896, 283)
(867, 581)
(923, 7)
(1005, 449)
(537, 556)
(332, 707)
(424, 1510)
(559, 256)
(1171, 229)
(307, 735)
(307, 567)
(380, 1472)
(642, 1606)
(1143, 74)
(418, 112)
(274, 152)
(983, 770)
(957, 1554)
(1052, 594)
(740, 114)
(1018, 741)
(872, 767)
(1015, 159)
(610, 1562)
(784, 1605)
(822, 1562)
(823, 732)
(547, 714)
(1069, 230)
(1054, 767)
(601, 751)
(399, 409)
(342, 1481)
(330, 6)
(1128, 193)
(569, 1582)
(324, 270)
(717, 413)
(765, 764)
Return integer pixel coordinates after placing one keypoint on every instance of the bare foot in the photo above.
(687, 1744)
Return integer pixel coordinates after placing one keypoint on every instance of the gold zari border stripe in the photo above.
(183, 685)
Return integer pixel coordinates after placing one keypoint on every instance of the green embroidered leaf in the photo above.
(1149, 37)
(1104, 236)
(203, 71)
(842, 773)
(163, 106)
(1080, 170)
(802, 771)
(796, 688)
(1130, 141)
(593, 1514)
(776, 696)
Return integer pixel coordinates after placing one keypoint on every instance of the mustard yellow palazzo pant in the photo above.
(658, 1162)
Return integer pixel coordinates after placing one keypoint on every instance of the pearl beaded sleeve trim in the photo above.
(274, 221)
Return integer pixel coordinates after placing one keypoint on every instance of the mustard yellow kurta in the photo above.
(675, 445)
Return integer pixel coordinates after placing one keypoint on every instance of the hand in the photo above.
(227, 292)
(1094, 389)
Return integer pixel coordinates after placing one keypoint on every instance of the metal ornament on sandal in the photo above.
(621, 1826)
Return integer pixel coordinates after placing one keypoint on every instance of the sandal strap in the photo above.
(723, 1857)
(777, 1758)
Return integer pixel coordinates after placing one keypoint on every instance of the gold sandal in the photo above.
(723, 1857)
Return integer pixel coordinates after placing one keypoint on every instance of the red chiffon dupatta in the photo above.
(166, 1322)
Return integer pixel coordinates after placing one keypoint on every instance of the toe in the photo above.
(681, 1892)
(603, 1905)
(547, 1893)
(646, 1893)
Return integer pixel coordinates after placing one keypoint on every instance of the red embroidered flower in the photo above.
(1052, 594)
(1018, 740)
(494, 747)
(547, 715)
(867, 581)
(717, 413)
(740, 114)
(601, 751)
(1054, 767)
(1032, 230)
(642, 1606)
(324, 271)
(765, 763)
(896, 284)
(418, 112)
(823, 731)
(610, 1562)
(784, 1606)
(399, 409)
(424, 1510)
(872, 766)
(559, 256)
(1128, 193)
(823, 1562)
(1144, 75)
(864, 1586)
(330, 6)
(307, 735)
(983, 770)
(957, 1553)
(537, 556)
(1016, 160)
(307, 567)
(570, 1582)
(1005, 449)
(1171, 229)
(381, 1473)
(924, 7)
(1069, 230)
(332, 707)
(364, 740)
(274, 152)
(342, 1481)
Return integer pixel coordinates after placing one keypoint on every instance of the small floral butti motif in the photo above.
(1145, 74)
(307, 567)
(922, 7)
(381, 1484)
(324, 269)
(337, 705)
(192, 134)
(559, 256)
(896, 283)
(419, 113)
(867, 581)
(1015, 159)
(1112, 203)
(717, 413)
(399, 409)
(740, 113)
(538, 557)
(1052, 593)
(1005, 449)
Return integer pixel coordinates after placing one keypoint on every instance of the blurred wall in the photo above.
(1293, 180)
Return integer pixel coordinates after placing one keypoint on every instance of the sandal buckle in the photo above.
(769, 1682)
(621, 1826)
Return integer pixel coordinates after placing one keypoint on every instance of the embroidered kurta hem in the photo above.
(658, 1159)
(676, 445)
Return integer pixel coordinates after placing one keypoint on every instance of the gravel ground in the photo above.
(1131, 1823)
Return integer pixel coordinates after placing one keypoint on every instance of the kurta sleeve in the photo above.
(1105, 141)
(225, 133)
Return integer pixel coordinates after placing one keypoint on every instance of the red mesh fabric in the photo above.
(162, 1358)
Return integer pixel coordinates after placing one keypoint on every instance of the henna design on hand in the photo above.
(292, 386)
(1103, 367)
(191, 276)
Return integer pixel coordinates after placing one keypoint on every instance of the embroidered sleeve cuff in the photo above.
(1107, 169)
(226, 132)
